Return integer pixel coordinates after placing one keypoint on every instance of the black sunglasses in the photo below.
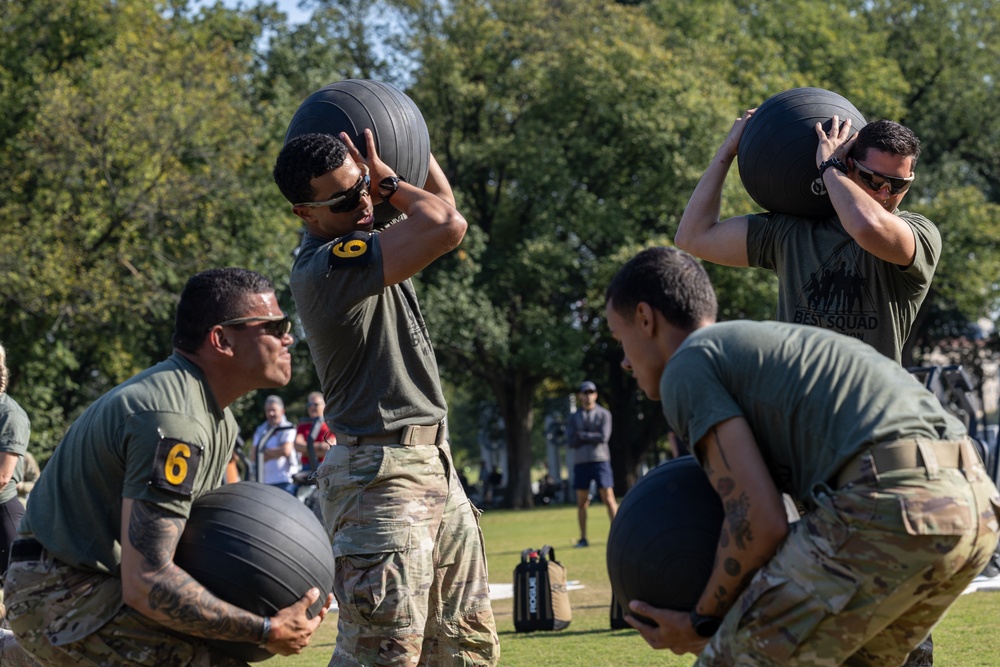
(275, 325)
(348, 200)
(896, 184)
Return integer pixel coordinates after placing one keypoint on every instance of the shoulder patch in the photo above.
(175, 466)
(352, 250)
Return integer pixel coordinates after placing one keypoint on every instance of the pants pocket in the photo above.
(790, 599)
(371, 583)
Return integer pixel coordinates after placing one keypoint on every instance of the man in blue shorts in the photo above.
(587, 433)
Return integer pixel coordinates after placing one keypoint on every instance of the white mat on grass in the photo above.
(982, 583)
(506, 591)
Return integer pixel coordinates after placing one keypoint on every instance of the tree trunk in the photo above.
(637, 424)
(515, 396)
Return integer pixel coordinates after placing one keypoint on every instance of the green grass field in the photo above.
(969, 636)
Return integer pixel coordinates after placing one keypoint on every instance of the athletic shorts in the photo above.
(599, 471)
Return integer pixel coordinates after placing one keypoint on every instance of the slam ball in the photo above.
(663, 540)
(777, 152)
(259, 548)
(398, 127)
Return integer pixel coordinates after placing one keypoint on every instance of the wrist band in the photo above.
(265, 632)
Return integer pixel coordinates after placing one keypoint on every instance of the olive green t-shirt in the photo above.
(15, 430)
(159, 437)
(368, 341)
(826, 279)
(812, 398)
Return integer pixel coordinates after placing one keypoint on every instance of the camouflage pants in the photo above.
(866, 574)
(411, 579)
(65, 616)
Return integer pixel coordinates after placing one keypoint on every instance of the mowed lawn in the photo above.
(969, 636)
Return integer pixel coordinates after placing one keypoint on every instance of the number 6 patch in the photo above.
(175, 466)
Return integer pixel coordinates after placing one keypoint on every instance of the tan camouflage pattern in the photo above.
(64, 616)
(865, 575)
(411, 579)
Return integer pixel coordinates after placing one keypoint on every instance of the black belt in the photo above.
(26, 549)
(408, 435)
(908, 453)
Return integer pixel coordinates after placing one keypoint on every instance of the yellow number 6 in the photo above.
(176, 467)
(351, 248)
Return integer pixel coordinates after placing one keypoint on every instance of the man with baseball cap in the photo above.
(587, 433)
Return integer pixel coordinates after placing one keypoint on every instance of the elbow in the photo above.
(455, 226)
(682, 239)
(134, 594)
(774, 531)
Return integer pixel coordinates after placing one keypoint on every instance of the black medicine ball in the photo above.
(777, 152)
(351, 106)
(662, 542)
(259, 548)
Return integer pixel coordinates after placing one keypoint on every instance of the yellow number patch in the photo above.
(175, 466)
(352, 250)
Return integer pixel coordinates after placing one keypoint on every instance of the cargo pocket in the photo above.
(786, 602)
(371, 582)
(936, 516)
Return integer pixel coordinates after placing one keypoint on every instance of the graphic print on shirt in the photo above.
(419, 338)
(838, 297)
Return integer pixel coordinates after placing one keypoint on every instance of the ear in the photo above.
(645, 318)
(219, 342)
(305, 213)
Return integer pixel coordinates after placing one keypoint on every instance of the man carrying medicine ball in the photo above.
(411, 579)
(863, 271)
(902, 513)
(92, 579)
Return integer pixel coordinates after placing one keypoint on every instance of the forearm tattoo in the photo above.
(154, 533)
(737, 510)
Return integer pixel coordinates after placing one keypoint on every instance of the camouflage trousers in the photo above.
(864, 576)
(411, 580)
(65, 616)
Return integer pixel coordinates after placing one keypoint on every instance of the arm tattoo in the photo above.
(155, 533)
(736, 511)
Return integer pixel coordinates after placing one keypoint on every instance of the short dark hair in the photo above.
(214, 296)
(304, 158)
(888, 136)
(670, 281)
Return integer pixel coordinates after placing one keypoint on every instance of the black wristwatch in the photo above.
(705, 626)
(387, 186)
(832, 162)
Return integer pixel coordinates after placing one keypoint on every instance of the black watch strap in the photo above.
(834, 162)
(387, 186)
(704, 626)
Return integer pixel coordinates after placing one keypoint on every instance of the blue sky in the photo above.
(290, 7)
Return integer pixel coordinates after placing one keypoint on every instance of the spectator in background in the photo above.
(274, 447)
(27, 483)
(14, 432)
(587, 433)
(313, 432)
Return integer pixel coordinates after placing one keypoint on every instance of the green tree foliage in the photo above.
(125, 174)
(566, 132)
(137, 140)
